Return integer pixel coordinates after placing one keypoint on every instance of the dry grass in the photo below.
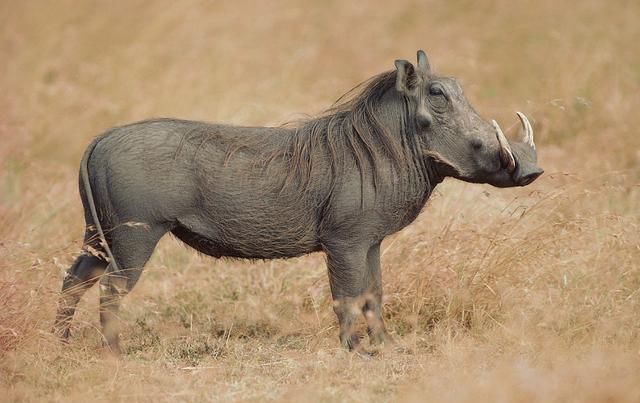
(492, 295)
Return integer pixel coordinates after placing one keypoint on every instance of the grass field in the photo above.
(497, 295)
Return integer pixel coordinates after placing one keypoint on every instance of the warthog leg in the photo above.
(82, 274)
(373, 299)
(113, 287)
(131, 248)
(354, 277)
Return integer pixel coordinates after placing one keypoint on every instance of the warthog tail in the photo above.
(84, 175)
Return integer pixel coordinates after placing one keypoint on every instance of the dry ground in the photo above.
(492, 295)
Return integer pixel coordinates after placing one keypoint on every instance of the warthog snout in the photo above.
(518, 158)
(527, 177)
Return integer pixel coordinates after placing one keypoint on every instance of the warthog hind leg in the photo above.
(82, 274)
(131, 248)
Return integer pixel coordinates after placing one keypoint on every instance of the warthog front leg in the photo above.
(347, 271)
(354, 276)
(373, 302)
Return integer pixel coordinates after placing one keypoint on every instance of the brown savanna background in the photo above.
(529, 294)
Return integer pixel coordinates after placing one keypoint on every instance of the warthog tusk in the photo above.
(506, 155)
(527, 136)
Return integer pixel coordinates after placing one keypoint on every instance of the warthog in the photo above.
(338, 183)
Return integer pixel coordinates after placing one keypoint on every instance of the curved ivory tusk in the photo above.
(505, 149)
(527, 136)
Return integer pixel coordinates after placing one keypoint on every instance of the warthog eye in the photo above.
(435, 90)
(437, 98)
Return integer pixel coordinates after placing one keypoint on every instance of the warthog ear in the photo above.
(423, 63)
(406, 78)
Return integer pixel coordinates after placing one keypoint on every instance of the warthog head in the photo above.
(463, 144)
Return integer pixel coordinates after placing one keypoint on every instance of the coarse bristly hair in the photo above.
(360, 125)
(372, 125)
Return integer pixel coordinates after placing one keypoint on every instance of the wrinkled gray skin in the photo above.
(265, 193)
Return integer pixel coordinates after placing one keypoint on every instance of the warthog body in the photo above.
(339, 183)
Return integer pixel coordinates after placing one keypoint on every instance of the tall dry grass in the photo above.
(491, 295)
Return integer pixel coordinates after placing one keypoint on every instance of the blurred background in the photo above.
(520, 292)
